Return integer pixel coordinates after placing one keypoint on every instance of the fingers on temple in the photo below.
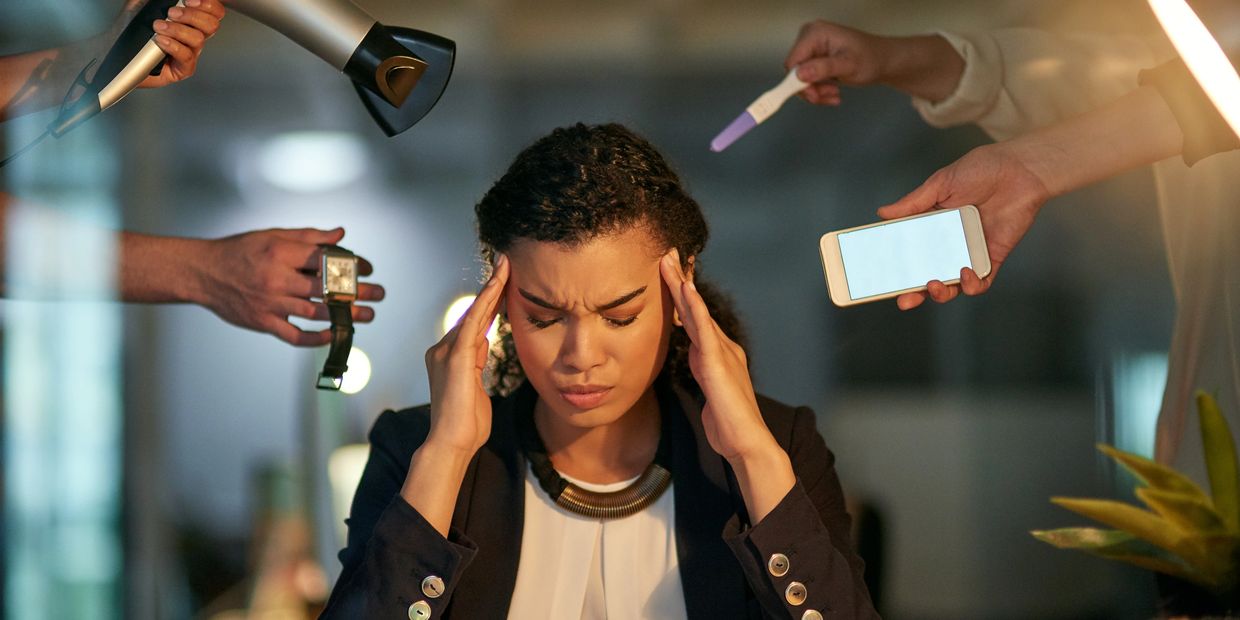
(669, 268)
(478, 318)
(689, 304)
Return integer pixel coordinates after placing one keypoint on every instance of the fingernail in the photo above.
(193, 2)
(805, 74)
(175, 12)
(161, 25)
(162, 40)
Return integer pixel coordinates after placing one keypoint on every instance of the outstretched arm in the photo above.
(256, 280)
(1010, 181)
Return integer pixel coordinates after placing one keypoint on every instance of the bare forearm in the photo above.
(38, 80)
(433, 483)
(764, 480)
(1136, 130)
(926, 67)
(156, 269)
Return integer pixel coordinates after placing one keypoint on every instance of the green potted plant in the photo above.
(1181, 532)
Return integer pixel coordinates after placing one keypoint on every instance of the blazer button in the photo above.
(811, 614)
(795, 594)
(432, 586)
(420, 610)
(778, 564)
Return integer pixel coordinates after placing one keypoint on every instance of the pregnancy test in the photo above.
(761, 109)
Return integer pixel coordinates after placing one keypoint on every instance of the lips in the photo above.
(585, 396)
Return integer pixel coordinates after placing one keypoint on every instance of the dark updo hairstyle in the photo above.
(586, 181)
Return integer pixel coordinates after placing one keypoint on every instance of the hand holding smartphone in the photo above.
(887, 259)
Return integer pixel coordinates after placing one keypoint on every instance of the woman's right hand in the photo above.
(460, 406)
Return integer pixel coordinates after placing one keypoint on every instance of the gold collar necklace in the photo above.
(594, 504)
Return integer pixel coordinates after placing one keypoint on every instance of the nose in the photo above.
(581, 349)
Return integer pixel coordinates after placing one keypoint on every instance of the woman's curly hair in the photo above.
(586, 181)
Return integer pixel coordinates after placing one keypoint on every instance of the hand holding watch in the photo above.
(339, 273)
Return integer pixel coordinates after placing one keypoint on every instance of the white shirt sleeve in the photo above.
(1018, 79)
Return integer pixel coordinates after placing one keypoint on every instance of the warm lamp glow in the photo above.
(1204, 57)
(358, 374)
(457, 309)
(344, 471)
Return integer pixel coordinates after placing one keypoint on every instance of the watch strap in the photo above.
(341, 314)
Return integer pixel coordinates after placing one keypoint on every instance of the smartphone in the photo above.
(886, 259)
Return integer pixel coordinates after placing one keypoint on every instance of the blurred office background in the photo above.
(160, 463)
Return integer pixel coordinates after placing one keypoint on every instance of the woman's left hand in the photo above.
(731, 419)
(733, 424)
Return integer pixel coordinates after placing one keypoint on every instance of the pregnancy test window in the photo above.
(904, 255)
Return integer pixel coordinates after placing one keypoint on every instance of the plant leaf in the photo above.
(1154, 475)
(1189, 513)
(1220, 451)
(1084, 537)
(1140, 523)
(1120, 546)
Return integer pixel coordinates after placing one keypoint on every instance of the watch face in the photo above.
(340, 275)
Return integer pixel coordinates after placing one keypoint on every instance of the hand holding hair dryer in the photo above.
(399, 73)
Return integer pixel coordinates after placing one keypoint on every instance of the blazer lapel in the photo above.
(713, 583)
(491, 511)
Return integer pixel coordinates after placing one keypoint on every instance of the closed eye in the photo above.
(539, 323)
(620, 322)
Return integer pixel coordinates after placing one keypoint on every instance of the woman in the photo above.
(628, 469)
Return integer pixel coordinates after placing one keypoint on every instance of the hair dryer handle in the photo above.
(129, 45)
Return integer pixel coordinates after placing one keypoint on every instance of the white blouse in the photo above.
(573, 567)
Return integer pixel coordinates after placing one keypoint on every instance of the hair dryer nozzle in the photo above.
(408, 81)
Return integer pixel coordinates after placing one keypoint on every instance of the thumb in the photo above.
(824, 68)
(920, 200)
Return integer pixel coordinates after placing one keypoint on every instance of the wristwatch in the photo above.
(339, 272)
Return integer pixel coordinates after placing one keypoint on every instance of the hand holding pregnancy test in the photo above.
(761, 109)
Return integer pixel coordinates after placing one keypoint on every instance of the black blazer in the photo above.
(723, 560)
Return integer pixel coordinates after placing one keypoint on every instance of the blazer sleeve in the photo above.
(810, 528)
(1205, 131)
(1019, 79)
(392, 553)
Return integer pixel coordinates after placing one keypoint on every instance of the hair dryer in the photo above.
(399, 73)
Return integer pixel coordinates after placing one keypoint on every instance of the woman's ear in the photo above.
(689, 267)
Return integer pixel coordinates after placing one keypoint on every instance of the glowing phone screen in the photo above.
(902, 255)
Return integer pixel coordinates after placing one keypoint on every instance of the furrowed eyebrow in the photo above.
(619, 301)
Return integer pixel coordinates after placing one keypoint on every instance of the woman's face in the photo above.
(590, 323)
